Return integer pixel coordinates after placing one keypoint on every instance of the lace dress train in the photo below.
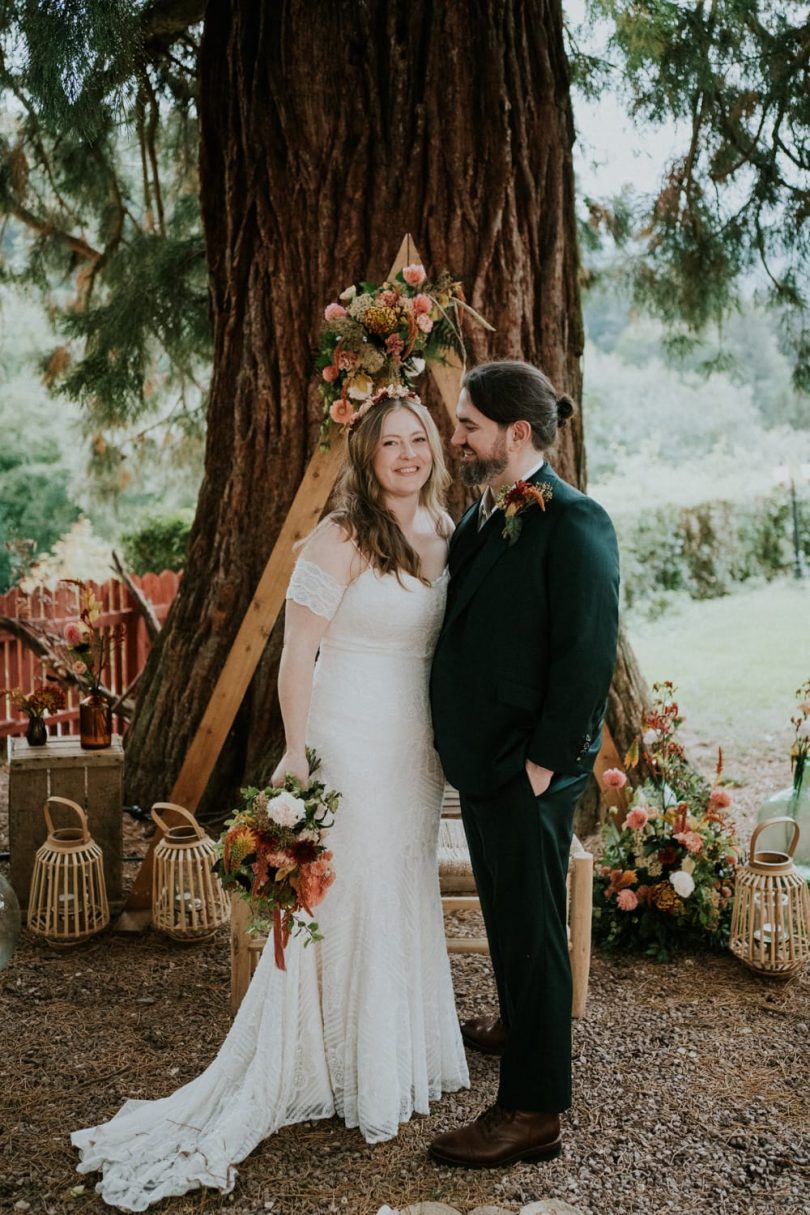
(362, 1024)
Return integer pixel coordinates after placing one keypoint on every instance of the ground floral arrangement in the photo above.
(273, 852)
(667, 873)
(385, 334)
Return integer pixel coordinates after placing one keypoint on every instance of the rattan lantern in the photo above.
(68, 899)
(770, 924)
(188, 902)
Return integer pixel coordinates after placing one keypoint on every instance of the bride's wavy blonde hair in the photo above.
(359, 502)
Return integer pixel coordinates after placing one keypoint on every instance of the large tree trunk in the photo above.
(329, 129)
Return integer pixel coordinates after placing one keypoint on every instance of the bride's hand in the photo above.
(294, 762)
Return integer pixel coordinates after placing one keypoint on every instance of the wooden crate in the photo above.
(94, 779)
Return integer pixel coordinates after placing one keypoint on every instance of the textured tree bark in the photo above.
(329, 129)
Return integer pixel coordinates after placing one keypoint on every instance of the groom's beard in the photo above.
(480, 472)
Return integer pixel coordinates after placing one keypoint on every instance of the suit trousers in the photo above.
(519, 848)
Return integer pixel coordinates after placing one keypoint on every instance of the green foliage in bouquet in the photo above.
(273, 852)
(666, 880)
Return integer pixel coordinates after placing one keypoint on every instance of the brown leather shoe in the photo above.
(487, 1034)
(498, 1137)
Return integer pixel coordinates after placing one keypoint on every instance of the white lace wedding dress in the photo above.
(364, 1023)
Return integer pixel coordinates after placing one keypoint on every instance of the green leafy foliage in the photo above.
(160, 543)
(98, 183)
(708, 550)
(734, 74)
(35, 505)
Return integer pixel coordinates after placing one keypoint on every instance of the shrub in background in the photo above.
(707, 550)
(160, 543)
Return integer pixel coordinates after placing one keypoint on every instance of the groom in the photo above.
(518, 688)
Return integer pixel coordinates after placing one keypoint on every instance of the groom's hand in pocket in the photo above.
(539, 778)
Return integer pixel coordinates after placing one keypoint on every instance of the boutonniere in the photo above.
(513, 500)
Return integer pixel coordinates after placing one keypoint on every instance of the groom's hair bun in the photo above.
(565, 409)
(512, 391)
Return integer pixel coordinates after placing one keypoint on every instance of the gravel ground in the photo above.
(692, 1083)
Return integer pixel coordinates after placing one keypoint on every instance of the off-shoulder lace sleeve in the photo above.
(313, 588)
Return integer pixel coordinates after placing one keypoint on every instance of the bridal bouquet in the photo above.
(273, 852)
(667, 872)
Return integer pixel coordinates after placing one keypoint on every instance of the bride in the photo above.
(362, 1024)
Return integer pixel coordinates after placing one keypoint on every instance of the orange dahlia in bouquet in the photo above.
(667, 872)
(273, 852)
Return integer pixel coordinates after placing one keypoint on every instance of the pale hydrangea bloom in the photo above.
(359, 304)
(371, 359)
(682, 882)
(285, 809)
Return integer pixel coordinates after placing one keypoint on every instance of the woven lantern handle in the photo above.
(771, 822)
(65, 801)
(181, 810)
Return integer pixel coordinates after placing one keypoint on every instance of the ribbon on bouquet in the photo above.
(281, 935)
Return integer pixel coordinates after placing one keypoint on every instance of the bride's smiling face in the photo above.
(403, 459)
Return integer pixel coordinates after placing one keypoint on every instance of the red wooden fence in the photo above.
(20, 667)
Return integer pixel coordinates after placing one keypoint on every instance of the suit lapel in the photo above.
(465, 539)
(481, 560)
(481, 550)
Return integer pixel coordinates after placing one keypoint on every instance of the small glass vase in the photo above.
(95, 723)
(37, 732)
(9, 922)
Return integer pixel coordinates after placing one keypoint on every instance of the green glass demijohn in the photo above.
(794, 803)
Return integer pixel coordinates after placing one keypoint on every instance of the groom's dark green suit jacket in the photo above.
(526, 654)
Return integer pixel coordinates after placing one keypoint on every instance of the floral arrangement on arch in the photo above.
(385, 334)
(666, 877)
(273, 852)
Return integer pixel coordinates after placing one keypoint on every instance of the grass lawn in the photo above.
(737, 661)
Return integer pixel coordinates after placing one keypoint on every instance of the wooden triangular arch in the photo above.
(257, 625)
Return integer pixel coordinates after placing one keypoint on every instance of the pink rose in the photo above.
(720, 799)
(330, 373)
(333, 312)
(691, 841)
(414, 275)
(627, 900)
(637, 818)
(422, 304)
(74, 634)
(614, 778)
(424, 323)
